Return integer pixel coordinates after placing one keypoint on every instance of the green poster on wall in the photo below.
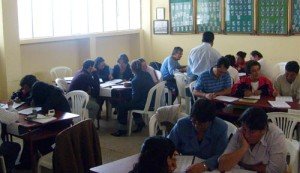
(273, 17)
(239, 16)
(296, 16)
(209, 15)
(181, 15)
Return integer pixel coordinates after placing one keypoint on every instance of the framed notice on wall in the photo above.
(209, 15)
(160, 27)
(181, 16)
(239, 16)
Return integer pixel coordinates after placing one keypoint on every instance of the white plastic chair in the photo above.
(46, 162)
(62, 84)
(293, 151)
(181, 82)
(159, 91)
(191, 86)
(231, 129)
(79, 100)
(60, 72)
(2, 164)
(285, 121)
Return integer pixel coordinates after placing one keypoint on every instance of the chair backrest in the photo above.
(60, 72)
(231, 129)
(2, 165)
(285, 121)
(159, 75)
(293, 153)
(62, 84)
(164, 117)
(77, 149)
(79, 100)
(159, 90)
(181, 81)
(191, 86)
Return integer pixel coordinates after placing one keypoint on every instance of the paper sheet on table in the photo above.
(3, 106)
(279, 104)
(253, 97)
(226, 98)
(116, 81)
(43, 119)
(117, 86)
(68, 78)
(183, 162)
(16, 105)
(29, 110)
(106, 84)
(284, 98)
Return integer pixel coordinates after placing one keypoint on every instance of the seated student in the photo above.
(168, 68)
(253, 83)
(23, 94)
(234, 74)
(288, 84)
(83, 80)
(240, 61)
(122, 69)
(214, 82)
(141, 84)
(158, 155)
(265, 69)
(9, 150)
(102, 70)
(258, 145)
(149, 69)
(202, 134)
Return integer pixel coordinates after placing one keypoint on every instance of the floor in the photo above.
(112, 148)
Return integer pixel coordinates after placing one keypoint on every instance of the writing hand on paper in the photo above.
(247, 93)
(210, 96)
(257, 92)
(196, 168)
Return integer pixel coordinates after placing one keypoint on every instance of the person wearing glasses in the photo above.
(202, 134)
(258, 145)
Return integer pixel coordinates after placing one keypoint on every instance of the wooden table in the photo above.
(233, 110)
(36, 131)
(125, 165)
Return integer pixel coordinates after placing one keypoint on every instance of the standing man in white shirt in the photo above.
(203, 57)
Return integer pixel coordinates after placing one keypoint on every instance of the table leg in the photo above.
(187, 105)
(108, 109)
(32, 157)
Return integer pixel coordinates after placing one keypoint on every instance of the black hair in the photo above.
(98, 60)
(254, 118)
(231, 59)
(154, 154)
(142, 59)
(177, 50)
(223, 61)
(208, 37)
(203, 110)
(87, 64)
(250, 64)
(256, 53)
(241, 54)
(136, 66)
(292, 66)
(28, 80)
(124, 58)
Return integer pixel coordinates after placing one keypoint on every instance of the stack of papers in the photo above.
(43, 119)
(284, 98)
(226, 98)
(253, 97)
(29, 110)
(248, 100)
(279, 104)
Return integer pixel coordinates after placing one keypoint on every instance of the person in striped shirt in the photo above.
(214, 82)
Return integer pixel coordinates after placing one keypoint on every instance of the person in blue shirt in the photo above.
(141, 84)
(168, 68)
(122, 69)
(214, 82)
(202, 135)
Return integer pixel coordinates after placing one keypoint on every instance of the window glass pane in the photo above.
(62, 17)
(123, 14)
(95, 16)
(25, 19)
(79, 17)
(109, 10)
(42, 18)
(135, 14)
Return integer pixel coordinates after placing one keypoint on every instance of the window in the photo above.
(54, 18)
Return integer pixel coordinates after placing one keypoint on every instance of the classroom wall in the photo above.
(274, 48)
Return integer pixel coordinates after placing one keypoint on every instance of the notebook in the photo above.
(279, 104)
